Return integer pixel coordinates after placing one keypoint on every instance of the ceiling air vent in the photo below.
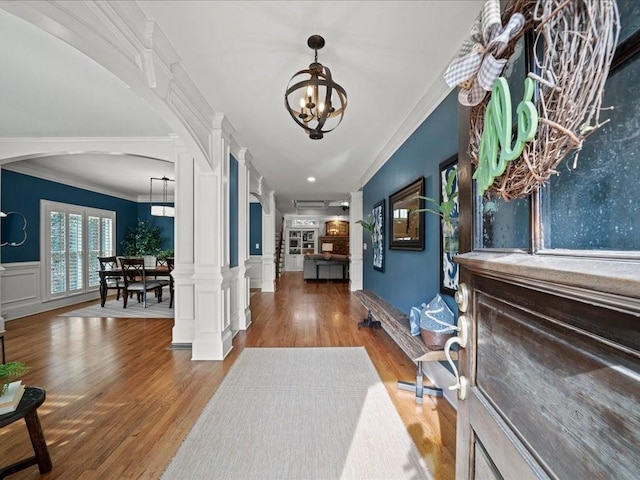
(309, 203)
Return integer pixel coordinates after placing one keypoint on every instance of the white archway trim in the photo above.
(16, 149)
(121, 38)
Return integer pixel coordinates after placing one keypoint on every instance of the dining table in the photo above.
(157, 271)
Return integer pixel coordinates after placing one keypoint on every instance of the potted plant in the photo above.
(447, 210)
(164, 254)
(142, 240)
(9, 372)
(368, 224)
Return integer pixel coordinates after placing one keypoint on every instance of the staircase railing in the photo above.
(279, 250)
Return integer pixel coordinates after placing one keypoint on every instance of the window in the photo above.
(594, 205)
(590, 209)
(304, 222)
(73, 239)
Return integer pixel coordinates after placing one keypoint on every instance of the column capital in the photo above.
(356, 195)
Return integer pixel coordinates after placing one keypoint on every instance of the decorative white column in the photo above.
(244, 311)
(269, 243)
(1, 270)
(355, 241)
(184, 299)
(212, 276)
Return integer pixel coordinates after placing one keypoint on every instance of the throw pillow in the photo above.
(414, 319)
(436, 316)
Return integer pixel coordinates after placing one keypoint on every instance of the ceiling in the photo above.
(388, 55)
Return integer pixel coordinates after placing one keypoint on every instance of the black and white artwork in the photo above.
(378, 236)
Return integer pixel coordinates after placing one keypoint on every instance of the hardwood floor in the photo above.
(120, 401)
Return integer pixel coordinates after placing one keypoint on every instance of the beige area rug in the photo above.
(113, 308)
(299, 413)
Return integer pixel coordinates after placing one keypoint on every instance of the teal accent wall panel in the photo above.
(255, 229)
(22, 193)
(412, 277)
(233, 212)
(165, 224)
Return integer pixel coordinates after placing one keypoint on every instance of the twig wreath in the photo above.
(574, 45)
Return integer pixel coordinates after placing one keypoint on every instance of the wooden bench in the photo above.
(396, 324)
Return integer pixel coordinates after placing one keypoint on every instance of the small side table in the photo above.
(27, 408)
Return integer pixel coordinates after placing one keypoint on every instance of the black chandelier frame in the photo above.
(319, 76)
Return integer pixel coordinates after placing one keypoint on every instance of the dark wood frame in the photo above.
(403, 194)
(444, 167)
(378, 234)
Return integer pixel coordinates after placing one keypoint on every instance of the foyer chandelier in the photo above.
(319, 101)
(161, 209)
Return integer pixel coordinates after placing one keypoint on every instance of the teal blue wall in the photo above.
(255, 229)
(412, 277)
(165, 224)
(233, 212)
(22, 193)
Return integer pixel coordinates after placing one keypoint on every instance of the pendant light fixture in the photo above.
(313, 99)
(163, 209)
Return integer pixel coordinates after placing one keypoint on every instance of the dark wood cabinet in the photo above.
(339, 228)
(552, 358)
(553, 369)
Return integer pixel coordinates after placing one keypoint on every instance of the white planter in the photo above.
(149, 260)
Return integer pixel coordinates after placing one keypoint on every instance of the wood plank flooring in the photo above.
(120, 401)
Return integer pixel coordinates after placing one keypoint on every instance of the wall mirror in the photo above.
(406, 228)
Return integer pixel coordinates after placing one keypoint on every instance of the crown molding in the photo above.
(160, 148)
(430, 100)
(50, 175)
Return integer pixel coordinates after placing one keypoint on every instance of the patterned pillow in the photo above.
(414, 319)
(436, 316)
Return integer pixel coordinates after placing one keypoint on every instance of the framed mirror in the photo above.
(406, 217)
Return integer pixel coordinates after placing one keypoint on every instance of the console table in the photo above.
(27, 408)
(327, 264)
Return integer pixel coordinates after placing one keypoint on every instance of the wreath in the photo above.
(574, 45)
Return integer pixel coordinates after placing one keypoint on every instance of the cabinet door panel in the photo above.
(551, 397)
(559, 388)
(483, 468)
(508, 454)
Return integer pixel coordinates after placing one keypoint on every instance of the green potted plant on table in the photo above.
(164, 254)
(142, 240)
(9, 372)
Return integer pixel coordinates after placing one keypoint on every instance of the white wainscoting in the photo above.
(21, 292)
(233, 301)
(254, 267)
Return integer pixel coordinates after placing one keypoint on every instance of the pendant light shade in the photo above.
(313, 99)
(162, 209)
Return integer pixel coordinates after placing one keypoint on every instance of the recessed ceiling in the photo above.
(388, 55)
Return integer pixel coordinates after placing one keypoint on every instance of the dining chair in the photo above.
(136, 281)
(170, 266)
(113, 283)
